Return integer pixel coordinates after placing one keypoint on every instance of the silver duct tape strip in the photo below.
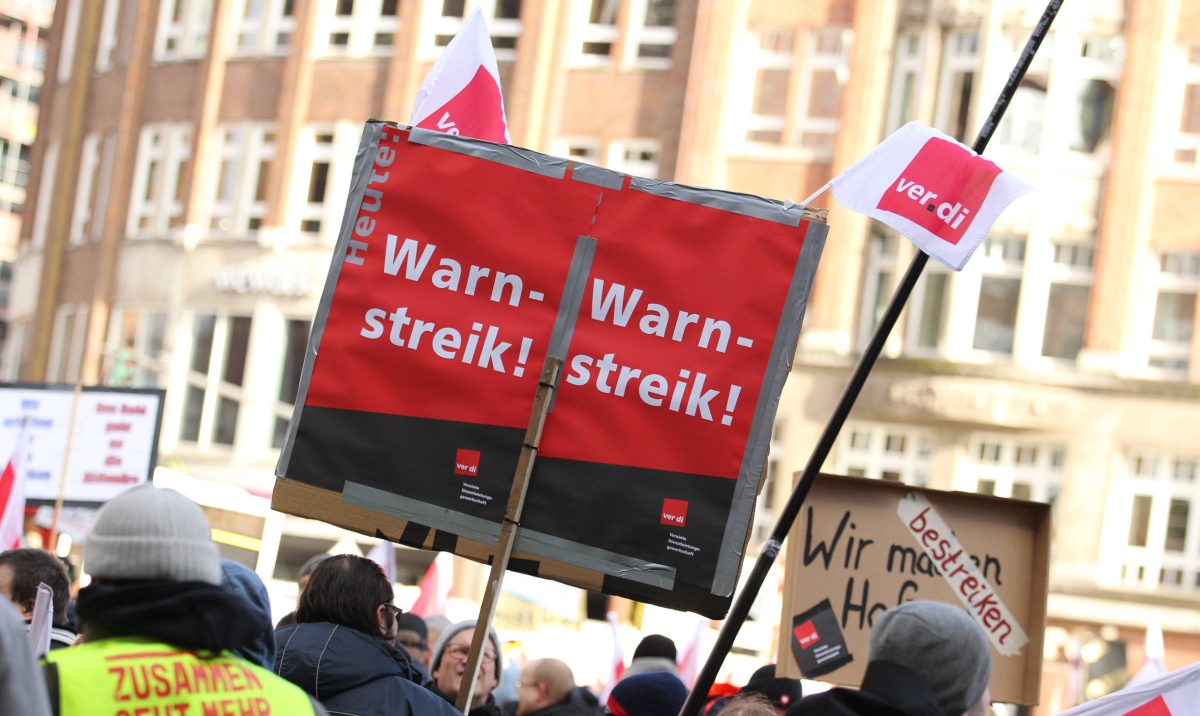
(423, 513)
(528, 541)
(787, 213)
(783, 349)
(506, 154)
(598, 560)
(598, 176)
(364, 162)
(572, 296)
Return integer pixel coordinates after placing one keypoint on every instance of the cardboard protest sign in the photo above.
(113, 440)
(867, 545)
(462, 265)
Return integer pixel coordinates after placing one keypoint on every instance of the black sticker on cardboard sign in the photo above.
(817, 641)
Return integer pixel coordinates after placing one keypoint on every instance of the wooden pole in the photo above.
(62, 477)
(508, 529)
(758, 574)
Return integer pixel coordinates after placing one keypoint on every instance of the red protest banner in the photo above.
(461, 267)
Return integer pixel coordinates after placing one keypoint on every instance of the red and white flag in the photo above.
(12, 497)
(461, 94)
(1175, 694)
(617, 664)
(689, 659)
(435, 587)
(931, 188)
(384, 554)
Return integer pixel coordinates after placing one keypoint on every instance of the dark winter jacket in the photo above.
(489, 708)
(580, 702)
(353, 673)
(887, 690)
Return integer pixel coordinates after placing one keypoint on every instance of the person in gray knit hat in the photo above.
(155, 603)
(924, 658)
(449, 661)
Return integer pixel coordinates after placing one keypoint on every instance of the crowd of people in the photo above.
(168, 628)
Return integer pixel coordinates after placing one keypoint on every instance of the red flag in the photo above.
(435, 587)
(461, 94)
(1173, 694)
(12, 497)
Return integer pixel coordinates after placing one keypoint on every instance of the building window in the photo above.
(87, 218)
(325, 155)
(1177, 282)
(108, 35)
(41, 217)
(1156, 496)
(1095, 93)
(1070, 292)
(957, 82)
(156, 206)
(289, 380)
(356, 28)
(14, 174)
(580, 149)
(796, 97)
(639, 157)
(216, 371)
(240, 182)
(1187, 140)
(1002, 261)
(889, 452)
(503, 19)
(1010, 467)
(136, 349)
(1023, 124)
(66, 343)
(66, 54)
(183, 27)
(598, 37)
(651, 33)
(906, 80)
(262, 27)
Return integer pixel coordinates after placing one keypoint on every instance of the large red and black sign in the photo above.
(462, 265)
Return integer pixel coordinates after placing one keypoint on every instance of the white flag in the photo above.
(931, 188)
(12, 496)
(384, 554)
(43, 616)
(1175, 694)
(461, 94)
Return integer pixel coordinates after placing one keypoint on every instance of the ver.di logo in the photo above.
(466, 462)
(674, 512)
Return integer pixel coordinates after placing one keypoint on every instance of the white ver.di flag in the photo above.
(931, 188)
(461, 94)
(1174, 694)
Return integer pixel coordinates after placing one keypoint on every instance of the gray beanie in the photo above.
(448, 634)
(152, 533)
(941, 644)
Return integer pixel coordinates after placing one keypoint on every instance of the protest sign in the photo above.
(867, 545)
(113, 439)
(463, 265)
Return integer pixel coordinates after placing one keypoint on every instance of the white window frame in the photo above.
(340, 155)
(167, 147)
(1155, 475)
(1070, 265)
(1175, 272)
(989, 262)
(997, 458)
(578, 148)
(81, 230)
(584, 31)
(1187, 74)
(107, 44)
(440, 25)
(150, 368)
(41, 216)
(70, 37)
(269, 32)
(638, 33)
(867, 449)
(361, 28)
(767, 58)
(66, 342)
(619, 159)
(957, 58)
(815, 60)
(904, 64)
(212, 382)
(187, 37)
(242, 148)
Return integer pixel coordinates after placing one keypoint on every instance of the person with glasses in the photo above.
(341, 651)
(449, 662)
(413, 636)
(546, 687)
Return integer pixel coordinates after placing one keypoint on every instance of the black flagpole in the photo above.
(770, 550)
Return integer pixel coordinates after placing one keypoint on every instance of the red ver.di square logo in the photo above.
(674, 512)
(806, 634)
(941, 189)
(466, 462)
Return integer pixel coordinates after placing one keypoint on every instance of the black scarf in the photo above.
(189, 615)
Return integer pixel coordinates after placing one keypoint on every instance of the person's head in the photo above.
(21, 570)
(150, 533)
(657, 693)
(542, 683)
(435, 624)
(449, 661)
(655, 645)
(236, 578)
(942, 646)
(412, 634)
(307, 568)
(351, 591)
(780, 693)
(749, 704)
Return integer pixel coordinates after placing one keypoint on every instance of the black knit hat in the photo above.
(654, 694)
(779, 691)
(655, 645)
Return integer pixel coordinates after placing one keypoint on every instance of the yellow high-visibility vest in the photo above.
(126, 676)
